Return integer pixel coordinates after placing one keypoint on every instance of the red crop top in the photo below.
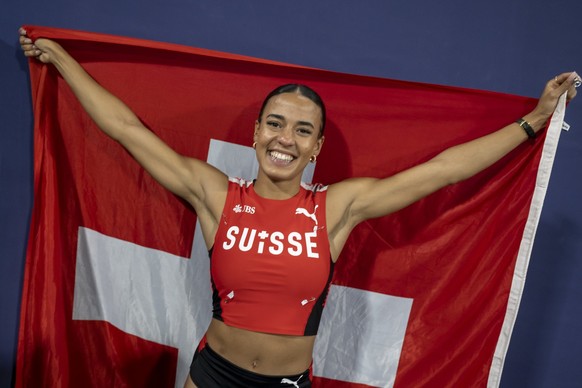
(270, 265)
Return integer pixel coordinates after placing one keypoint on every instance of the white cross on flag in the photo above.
(117, 288)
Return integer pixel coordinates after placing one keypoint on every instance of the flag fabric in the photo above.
(116, 290)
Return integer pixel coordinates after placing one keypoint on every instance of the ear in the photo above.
(318, 145)
(257, 126)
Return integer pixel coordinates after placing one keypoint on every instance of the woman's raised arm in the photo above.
(187, 177)
(358, 199)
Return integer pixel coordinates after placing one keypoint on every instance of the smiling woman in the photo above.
(264, 235)
(288, 135)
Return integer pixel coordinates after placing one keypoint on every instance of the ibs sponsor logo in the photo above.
(252, 240)
(247, 209)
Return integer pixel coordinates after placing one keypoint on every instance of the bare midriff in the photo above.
(267, 354)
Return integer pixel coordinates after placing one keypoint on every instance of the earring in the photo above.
(255, 145)
(313, 158)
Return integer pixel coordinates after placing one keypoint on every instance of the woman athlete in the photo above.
(241, 348)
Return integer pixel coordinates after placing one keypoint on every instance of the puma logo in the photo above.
(304, 212)
(291, 382)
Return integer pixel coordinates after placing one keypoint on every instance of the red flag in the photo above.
(419, 298)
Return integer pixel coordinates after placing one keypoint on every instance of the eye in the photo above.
(274, 124)
(304, 131)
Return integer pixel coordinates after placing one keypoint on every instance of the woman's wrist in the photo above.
(537, 121)
(59, 57)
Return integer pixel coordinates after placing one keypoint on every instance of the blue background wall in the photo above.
(504, 46)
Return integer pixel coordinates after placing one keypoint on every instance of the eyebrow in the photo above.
(280, 117)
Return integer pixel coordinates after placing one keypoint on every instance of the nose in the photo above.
(286, 136)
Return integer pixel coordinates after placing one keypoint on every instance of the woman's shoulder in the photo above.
(237, 181)
(343, 193)
(314, 187)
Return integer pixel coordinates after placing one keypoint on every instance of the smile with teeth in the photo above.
(279, 157)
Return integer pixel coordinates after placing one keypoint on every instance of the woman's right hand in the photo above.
(41, 49)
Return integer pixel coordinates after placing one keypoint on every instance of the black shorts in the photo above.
(210, 370)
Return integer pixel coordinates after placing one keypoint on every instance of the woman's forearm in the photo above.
(465, 160)
(108, 111)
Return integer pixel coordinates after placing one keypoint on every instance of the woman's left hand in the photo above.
(554, 89)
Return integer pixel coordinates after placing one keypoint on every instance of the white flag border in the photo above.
(527, 241)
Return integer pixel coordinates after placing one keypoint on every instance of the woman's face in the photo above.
(288, 136)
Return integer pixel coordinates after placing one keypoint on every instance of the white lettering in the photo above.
(231, 236)
(275, 240)
(294, 239)
(252, 240)
(247, 247)
(310, 245)
(263, 235)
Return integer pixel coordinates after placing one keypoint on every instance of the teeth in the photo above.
(281, 156)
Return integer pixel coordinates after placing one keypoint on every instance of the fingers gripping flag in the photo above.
(116, 288)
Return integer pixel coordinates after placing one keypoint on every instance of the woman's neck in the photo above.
(270, 189)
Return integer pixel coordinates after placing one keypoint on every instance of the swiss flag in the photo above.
(116, 288)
